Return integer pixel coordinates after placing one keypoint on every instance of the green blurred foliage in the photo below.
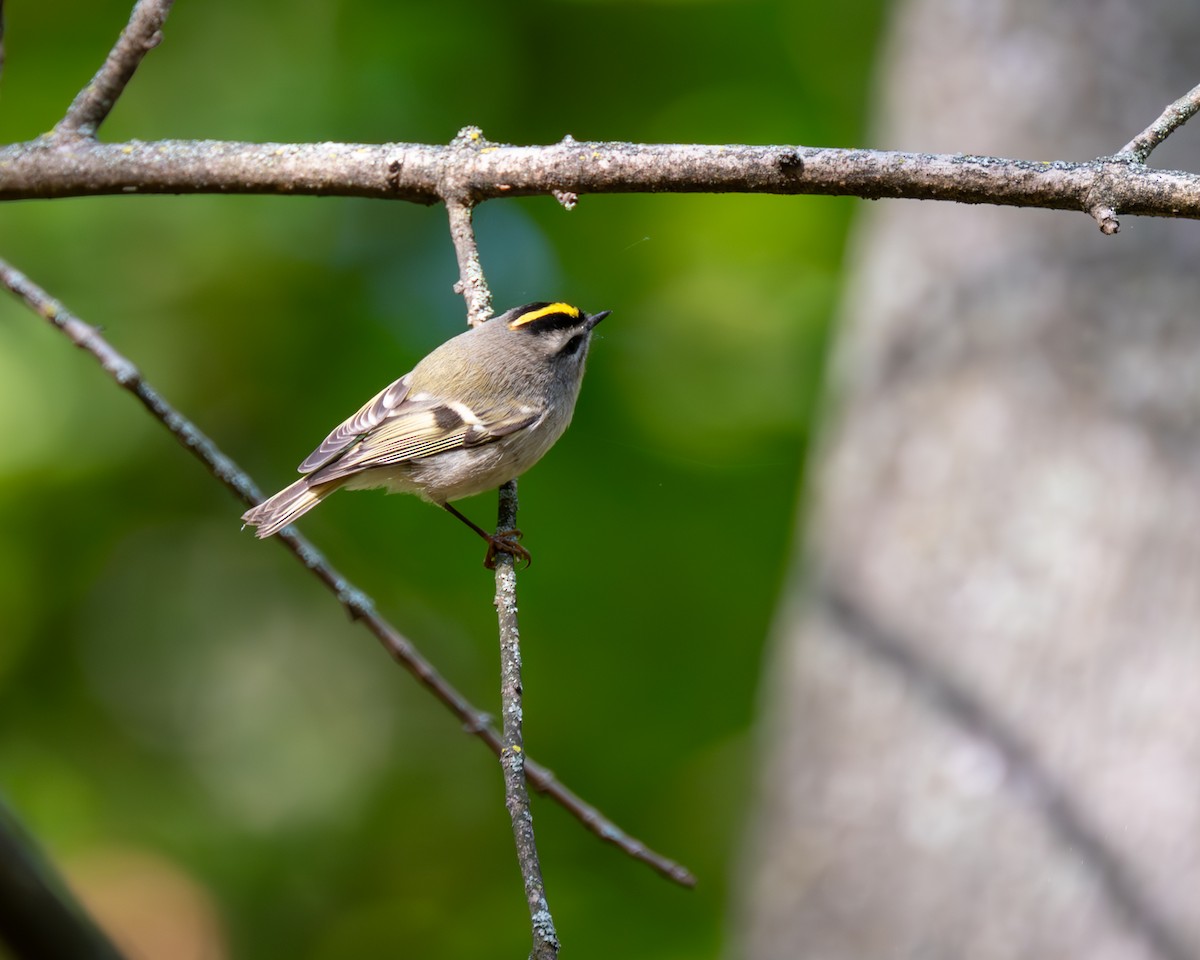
(169, 684)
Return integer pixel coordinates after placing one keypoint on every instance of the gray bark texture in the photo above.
(982, 709)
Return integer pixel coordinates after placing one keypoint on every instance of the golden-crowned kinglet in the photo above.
(478, 411)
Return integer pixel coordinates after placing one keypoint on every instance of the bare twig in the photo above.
(357, 604)
(1106, 218)
(512, 757)
(859, 625)
(38, 916)
(95, 101)
(455, 191)
(1171, 119)
(416, 172)
(472, 285)
(474, 288)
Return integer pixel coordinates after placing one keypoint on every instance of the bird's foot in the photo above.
(505, 541)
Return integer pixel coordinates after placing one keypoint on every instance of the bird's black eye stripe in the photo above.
(572, 346)
(550, 321)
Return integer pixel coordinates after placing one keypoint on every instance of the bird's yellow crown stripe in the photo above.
(547, 310)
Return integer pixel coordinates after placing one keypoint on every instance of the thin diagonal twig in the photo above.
(474, 288)
(95, 101)
(356, 602)
(1172, 118)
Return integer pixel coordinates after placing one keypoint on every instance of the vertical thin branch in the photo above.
(94, 102)
(512, 756)
(473, 286)
(38, 916)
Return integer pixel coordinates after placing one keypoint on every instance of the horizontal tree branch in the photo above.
(471, 169)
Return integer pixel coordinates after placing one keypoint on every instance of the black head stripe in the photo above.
(543, 317)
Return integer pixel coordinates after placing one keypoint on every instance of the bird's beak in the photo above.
(595, 318)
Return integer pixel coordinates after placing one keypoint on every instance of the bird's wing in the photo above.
(372, 414)
(422, 426)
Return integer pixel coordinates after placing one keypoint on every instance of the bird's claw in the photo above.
(505, 541)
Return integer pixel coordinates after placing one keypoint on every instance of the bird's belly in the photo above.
(459, 473)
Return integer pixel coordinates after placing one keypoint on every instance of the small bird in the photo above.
(478, 411)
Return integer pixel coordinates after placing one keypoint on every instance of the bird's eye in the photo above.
(572, 346)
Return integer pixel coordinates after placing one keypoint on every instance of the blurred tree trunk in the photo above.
(983, 717)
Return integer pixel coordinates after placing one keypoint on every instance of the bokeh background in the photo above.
(209, 749)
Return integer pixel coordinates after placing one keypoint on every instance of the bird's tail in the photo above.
(288, 505)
